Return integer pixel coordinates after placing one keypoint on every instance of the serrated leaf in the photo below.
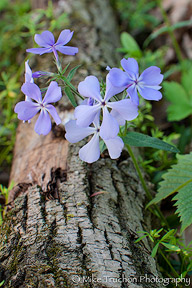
(141, 140)
(178, 179)
(72, 72)
(129, 43)
(184, 205)
(70, 95)
(181, 105)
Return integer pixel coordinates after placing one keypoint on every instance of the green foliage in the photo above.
(4, 191)
(166, 29)
(145, 58)
(140, 140)
(180, 96)
(178, 180)
(136, 14)
(129, 46)
(167, 240)
(70, 95)
(165, 244)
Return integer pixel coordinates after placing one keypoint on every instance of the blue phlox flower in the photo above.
(47, 42)
(147, 84)
(85, 114)
(91, 151)
(28, 109)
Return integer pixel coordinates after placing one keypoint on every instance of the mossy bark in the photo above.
(55, 234)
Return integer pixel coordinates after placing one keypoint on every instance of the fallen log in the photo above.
(56, 233)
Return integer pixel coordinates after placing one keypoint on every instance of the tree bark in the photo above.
(55, 234)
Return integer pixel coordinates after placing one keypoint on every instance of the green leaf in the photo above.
(171, 247)
(141, 140)
(180, 106)
(178, 179)
(154, 251)
(129, 43)
(186, 82)
(70, 95)
(1, 284)
(184, 205)
(166, 30)
(65, 69)
(168, 234)
(102, 146)
(140, 238)
(72, 72)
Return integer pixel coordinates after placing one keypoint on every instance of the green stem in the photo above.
(148, 193)
(171, 33)
(168, 262)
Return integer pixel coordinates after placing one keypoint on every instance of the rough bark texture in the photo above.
(55, 234)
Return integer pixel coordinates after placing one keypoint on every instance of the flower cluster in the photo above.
(97, 115)
(87, 114)
(113, 114)
(33, 98)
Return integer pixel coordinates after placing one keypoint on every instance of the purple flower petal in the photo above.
(96, 120)
(150, 94)
(90, 152)
(114, 147)
(43, 123)
(45, 39)
(85, 114)
(39, 51)
(28, 73)
(109, 127)
(126, 108)
(53, 93)
(90, 88)
(75, 133)
(26, 110)
(52, 110)
(118, 117)
(67, 50)
(38, 74)
(32, 91)
(118, 77)
(151, 76)
(64, 37)
(132, 92)
(130, 65)
(112, 90)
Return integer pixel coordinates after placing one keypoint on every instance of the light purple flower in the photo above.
(85, 114)
(47, 41)
(28, 109)
(147, 84)
(91, 151)
(39, 74)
